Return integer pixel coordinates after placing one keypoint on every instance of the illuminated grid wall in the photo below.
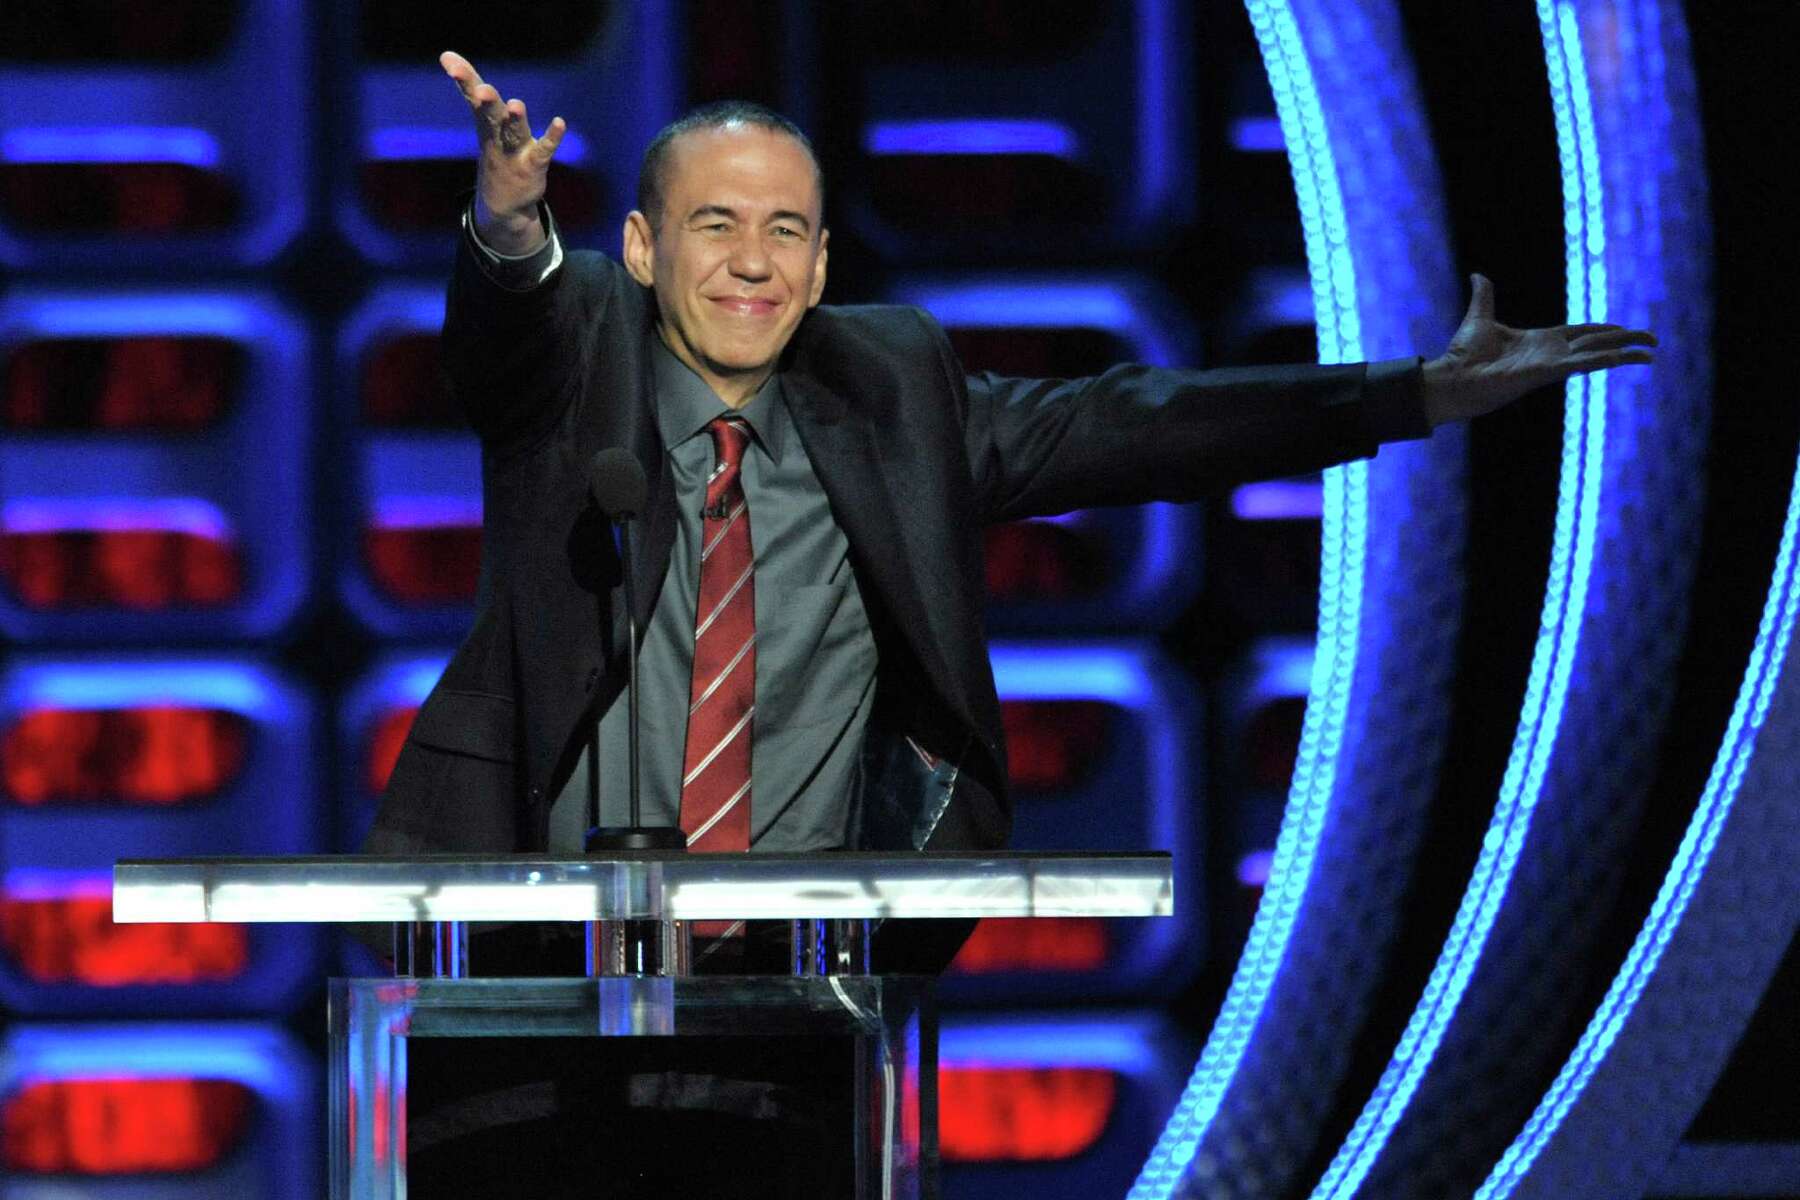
(239, 521)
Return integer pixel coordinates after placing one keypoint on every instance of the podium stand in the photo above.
(637, 911)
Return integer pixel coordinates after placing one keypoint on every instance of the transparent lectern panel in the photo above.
(634, 1046)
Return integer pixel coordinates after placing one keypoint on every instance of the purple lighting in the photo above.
(971, 137)
(111, 144)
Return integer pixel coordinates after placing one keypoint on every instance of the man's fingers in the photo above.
(1600, 360)
(462, 72)
(1481, 299)
(553, 136)
(1612, 337)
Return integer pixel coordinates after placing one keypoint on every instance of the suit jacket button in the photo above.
(593, 677)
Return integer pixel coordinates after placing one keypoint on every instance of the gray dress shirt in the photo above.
(815, 652)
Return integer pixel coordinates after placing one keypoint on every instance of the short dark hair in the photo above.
(720, 114)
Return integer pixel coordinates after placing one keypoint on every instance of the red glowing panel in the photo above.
(158, 755)
(1052, 744)
(72, 940)
(122, 1126)
(403, 387)
(425, 564)
(137, 384)
(910, 190)
(1037, 352)
(145, 570)
(425, 195)
(1039, 560)
(385, 741)
(1022, 1114)
(1002, 944)
(116, 197)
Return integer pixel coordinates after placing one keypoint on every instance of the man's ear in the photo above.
(818, 284)
(639, 249)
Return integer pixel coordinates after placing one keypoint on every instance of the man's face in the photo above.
(739, 256)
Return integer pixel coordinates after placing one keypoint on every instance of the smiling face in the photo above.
(737, 255)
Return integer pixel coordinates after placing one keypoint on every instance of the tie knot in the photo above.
(730, 435)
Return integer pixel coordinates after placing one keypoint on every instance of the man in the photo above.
(831, 688)
(814, 671)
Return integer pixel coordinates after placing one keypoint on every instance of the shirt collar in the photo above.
(685, 405)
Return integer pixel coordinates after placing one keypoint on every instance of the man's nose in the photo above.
(750, 259)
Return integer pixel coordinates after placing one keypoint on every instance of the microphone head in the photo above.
(616, 482)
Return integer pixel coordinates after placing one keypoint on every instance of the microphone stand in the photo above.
(635, 836)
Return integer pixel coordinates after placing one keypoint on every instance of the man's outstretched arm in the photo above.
(1139, 433)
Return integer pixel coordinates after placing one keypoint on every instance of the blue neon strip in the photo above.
(1344, 535)
(111, 144)
(164, 314)
(1736, 750)
(1278, 500)
(232, 687)
(403, 143)
(177, 514)
(1072, 673)
(257, 1057)
(1553, 660)
(1121, 1045)
(971, 137)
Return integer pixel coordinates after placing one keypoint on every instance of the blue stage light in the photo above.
(236, 687)
(111, 144)
(1553, 660)
(388, 143)
(1344, 532)
(1767, 657)
(997, 136)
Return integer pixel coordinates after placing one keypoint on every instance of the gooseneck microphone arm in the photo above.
(618, 487)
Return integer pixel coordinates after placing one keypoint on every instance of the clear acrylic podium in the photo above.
(637, 911)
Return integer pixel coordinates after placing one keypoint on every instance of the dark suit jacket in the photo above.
(915, 458)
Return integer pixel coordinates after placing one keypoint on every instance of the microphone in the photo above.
(617, 484)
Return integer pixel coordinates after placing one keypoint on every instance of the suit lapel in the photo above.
(654, 532)
(846, 456)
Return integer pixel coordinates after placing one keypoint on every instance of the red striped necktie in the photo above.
(715, 772)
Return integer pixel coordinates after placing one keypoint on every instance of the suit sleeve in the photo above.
(1037, 447)
(515, 349)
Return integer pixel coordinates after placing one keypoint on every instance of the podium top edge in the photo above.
(1114, 857)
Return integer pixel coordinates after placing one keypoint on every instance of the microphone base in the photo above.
(609, 838)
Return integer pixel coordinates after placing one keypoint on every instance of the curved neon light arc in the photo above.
(1767, 658)
(1553, 658)
(1344, 528)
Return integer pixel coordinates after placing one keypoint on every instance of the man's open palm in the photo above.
(1488, 364)
(512, 166)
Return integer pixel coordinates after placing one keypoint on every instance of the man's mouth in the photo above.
(746, 306)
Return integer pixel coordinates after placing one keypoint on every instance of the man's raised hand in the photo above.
(511, 167)
(1488, 365)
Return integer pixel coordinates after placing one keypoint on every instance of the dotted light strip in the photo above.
(1344, 527)
(1735, 753)
(1553, 660)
